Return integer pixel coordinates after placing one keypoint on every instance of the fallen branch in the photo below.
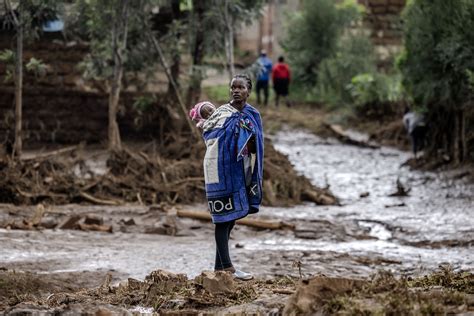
(256, 223)
(345, 138)
(283, 291)
(95, 200)
(52, 153)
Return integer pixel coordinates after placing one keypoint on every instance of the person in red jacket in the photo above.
(281, 80)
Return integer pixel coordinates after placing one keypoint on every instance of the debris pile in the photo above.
(443, 292)
(139, 177)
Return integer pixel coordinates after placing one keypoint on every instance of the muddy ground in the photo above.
(57, 258)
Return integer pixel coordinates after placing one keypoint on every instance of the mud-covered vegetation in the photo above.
(444, 291)
(140, 176)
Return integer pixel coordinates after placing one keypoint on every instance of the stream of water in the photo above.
(436, 211)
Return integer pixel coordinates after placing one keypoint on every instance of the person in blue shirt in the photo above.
(263, 76)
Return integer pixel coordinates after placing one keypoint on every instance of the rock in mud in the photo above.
(48, 223)
(71, 222)
(93, 220)
(217, 282)
(312, 294)
(128, 221)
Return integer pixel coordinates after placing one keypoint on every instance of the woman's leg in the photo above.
(222, 235)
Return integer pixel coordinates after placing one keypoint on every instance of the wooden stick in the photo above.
(95, 200)
(257, 223)
(52, 153)
(283, 291)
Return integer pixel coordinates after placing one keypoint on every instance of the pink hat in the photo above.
(195, 112)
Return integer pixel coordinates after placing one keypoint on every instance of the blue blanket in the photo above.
(230, 194)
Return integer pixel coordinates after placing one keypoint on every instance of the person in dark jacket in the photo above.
(416, 127)
(281, 80)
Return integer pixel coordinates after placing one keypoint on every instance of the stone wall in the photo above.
(384, 24)
(69, 117)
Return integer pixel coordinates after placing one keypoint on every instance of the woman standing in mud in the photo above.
(233, 167)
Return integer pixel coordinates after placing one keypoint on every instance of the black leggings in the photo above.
(222, 234)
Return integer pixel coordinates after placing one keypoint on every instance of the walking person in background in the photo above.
(281, 80)
(416, 127)
(233, 167)
(263, 76)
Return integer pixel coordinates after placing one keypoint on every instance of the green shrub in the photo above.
(372, 88)
(354, 55)
(313, 33)
(439, 50)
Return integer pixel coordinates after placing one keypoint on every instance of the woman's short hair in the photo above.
(246, 78)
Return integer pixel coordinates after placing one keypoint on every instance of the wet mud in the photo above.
(370, 230)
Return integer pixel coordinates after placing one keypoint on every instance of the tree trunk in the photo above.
(18, 146)
(163, 62)
(462, 135)
(229, 41)
(176, 55)
(119, 38)
(194, 90)
(455, 137)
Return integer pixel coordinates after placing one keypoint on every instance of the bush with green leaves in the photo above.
(372, 93)
(34, 66)
(354, 55)
(438, 57)
(313, 33)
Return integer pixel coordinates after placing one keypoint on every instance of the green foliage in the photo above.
(354, 55)
(7, 56)
(240, 12)
(470, 78)
(32, 14)
(37, 67)
(313, 34)
(94, 17)
(144, 103)
(439, 45)
(375, 88)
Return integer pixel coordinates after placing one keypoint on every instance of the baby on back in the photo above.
(201, 112)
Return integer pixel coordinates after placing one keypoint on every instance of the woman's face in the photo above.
(239, 90)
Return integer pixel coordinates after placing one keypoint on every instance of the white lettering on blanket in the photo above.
(211, 168)
(217, 206)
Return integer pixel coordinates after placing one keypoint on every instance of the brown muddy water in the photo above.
(371, 230)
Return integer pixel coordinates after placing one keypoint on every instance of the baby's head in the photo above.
(201, 112)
